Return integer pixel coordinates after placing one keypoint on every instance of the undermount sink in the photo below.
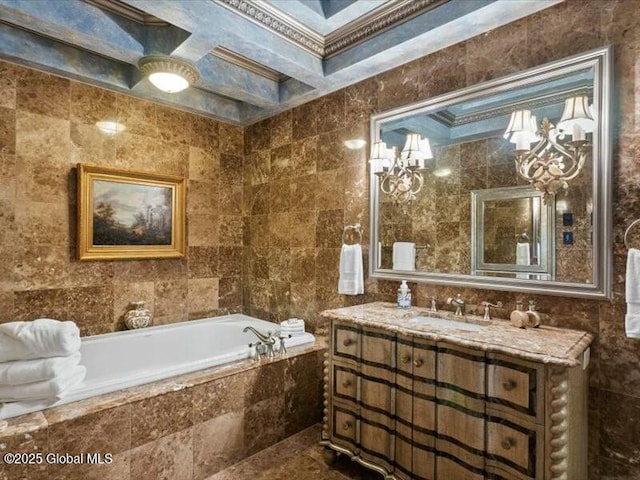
(445, 323)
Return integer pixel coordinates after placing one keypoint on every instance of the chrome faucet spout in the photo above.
(260, 335)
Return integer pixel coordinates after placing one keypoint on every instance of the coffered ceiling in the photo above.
(255, 57)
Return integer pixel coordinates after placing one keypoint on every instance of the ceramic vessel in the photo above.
(138, 317)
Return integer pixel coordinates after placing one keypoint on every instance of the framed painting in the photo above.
(129, 215)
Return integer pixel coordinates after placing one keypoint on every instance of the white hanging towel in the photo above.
(404, 256)
(523, 255)
(632, 294)
(38, 339)
(54, 388)
(351, 280)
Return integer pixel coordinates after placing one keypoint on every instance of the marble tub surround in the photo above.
(187, 427)
(48, 126)
(550, 345)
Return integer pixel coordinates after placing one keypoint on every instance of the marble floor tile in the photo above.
(298, 456)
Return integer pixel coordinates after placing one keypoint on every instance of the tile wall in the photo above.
(47, 126)
(302, 186)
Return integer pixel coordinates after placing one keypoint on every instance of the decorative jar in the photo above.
(138, 317)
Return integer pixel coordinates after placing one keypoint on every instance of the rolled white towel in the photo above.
(40, 338)
(20, 372)
(53, 388)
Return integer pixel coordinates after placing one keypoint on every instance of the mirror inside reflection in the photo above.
(499, 184)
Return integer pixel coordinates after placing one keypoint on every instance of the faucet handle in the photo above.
(487, 309)
(434, 305)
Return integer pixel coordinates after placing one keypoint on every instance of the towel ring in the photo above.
(356, 228)
(626, 233)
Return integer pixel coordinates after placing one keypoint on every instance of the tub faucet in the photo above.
(265, 343)
(457, 302)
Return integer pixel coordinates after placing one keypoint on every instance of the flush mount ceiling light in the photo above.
(168, 74)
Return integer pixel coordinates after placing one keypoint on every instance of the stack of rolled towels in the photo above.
(39, 359)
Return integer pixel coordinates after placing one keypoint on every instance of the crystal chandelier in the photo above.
(401, 174)
(560, 152)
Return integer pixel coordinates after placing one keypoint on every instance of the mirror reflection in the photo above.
(496, 184)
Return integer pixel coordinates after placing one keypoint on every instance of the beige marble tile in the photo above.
(218, 443)
(42, 93)
(203, 230)
(42, 266)
(170, 297)
(169, 458)
(160, 416)
(204, 165)
(138, 116)
(91, 104)
(107, 431)
(7, 85)
(231, 139)
(40, 136)
(202, 295)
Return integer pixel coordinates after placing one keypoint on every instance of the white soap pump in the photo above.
(404, 295)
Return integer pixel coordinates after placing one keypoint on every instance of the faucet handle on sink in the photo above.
(487, 308)
(434, 305)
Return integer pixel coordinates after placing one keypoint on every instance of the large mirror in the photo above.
(502, 185)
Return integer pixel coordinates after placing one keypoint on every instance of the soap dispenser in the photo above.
(404, 296)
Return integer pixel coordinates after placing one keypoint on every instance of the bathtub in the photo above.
(125, 359)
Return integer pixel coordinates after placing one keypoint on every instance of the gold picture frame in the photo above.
(125, 214)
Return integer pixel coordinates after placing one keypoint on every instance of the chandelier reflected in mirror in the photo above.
(401, 174)
(560, 151)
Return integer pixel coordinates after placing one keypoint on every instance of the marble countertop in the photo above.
(549, 345)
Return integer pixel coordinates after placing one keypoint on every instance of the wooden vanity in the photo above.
(427, 402)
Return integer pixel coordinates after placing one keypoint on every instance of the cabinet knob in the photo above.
(406, 359)
(346, 383)
(509, 385)
(418, 362)
(348, 342)
(346, 425)
(507, 443)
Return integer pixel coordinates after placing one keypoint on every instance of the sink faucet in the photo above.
(434, 306)
(457, 302)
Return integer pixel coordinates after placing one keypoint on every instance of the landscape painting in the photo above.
(123, 214)
(131, 214)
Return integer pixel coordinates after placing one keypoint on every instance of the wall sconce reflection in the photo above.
(560, 151)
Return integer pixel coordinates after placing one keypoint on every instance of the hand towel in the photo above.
(523, 256)
(38, 339)
(29, 371)
(632, 294)
(404, 256)
(54, 388)
(351, 280)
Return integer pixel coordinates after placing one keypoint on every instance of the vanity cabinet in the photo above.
(411, 407)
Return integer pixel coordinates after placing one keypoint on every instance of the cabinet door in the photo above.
(376, 401)
(461, 410)
(415, 409)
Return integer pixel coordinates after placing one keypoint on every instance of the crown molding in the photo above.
(248, 64)
(128, 12)
(386, 16)
(278, 22)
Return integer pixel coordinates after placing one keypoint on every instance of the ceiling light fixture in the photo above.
(560, 152)
(401, 174)
(168, 74)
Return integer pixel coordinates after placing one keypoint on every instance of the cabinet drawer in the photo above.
(345, 342)
(513, 449)
(515, 388)
(344, 425)
(345, 383)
